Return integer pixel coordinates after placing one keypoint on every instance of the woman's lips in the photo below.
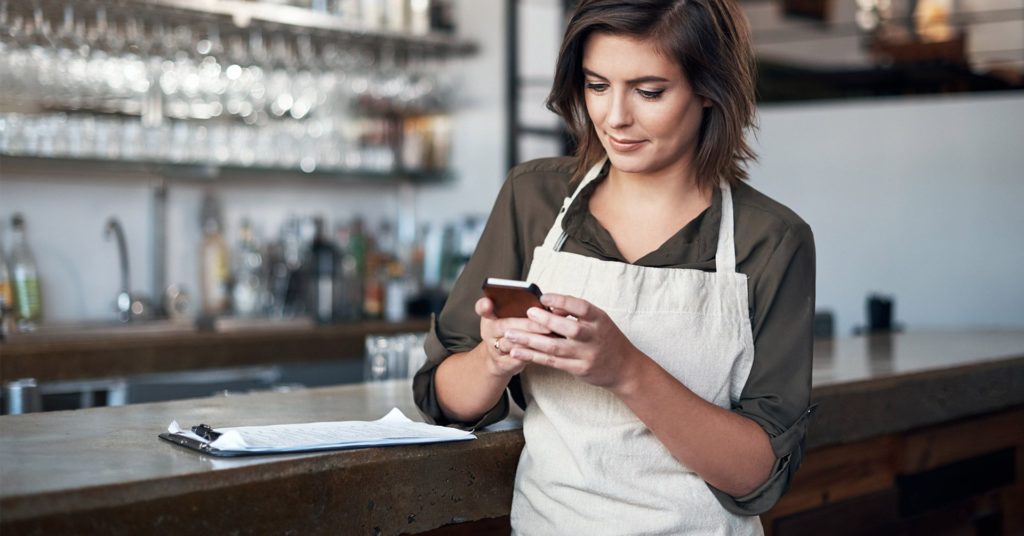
(624, 146)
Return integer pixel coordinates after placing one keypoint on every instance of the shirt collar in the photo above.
(695, 242)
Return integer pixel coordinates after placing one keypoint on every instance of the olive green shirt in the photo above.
(774, 249)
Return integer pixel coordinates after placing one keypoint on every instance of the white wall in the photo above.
(78, 268)
(918, 198)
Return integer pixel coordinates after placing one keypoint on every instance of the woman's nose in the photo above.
(619, 114)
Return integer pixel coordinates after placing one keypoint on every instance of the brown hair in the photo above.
(710, 41)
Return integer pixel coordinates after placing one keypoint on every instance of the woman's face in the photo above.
(642, 106)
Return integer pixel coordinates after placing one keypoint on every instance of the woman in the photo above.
(666, 391)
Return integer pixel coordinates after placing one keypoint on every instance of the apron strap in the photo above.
(556, 235)
(725, 256)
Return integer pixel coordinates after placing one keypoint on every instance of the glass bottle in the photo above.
(247, 293)
(323, 270)
(396, 292)
(6, 298)
(375, 272)
(6, 294)
(348, 282)
(373, 289)
(214, 269)
(24, 278)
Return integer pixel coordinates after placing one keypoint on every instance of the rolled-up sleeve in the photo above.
(458, 328)
(777, 393)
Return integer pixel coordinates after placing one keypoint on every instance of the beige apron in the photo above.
(590, 466)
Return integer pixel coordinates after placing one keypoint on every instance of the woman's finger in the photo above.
(572, 366)
(542, 343)
(484, 308)
(559, 312)
(502, 345)
(581, 309)
(522, 324)
(566, 326)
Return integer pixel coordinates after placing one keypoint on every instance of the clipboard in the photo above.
(391, 430)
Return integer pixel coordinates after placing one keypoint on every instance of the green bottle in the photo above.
(24, 279)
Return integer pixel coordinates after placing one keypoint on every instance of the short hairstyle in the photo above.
(708, 39)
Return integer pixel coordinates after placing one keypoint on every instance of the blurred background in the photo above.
(173, 169)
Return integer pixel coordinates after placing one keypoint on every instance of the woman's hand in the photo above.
(594, 349)
(493, 330)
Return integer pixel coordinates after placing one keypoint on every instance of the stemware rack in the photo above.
(226, 84)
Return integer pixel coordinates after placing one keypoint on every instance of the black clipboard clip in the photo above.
(206, 432)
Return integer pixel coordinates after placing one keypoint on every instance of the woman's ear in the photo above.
(705, 102)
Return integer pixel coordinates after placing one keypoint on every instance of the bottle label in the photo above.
(6, 295)
(27, 297)
(215, 273)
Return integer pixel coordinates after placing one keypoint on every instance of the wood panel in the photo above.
(941, 445)
(838, 473)
(855, 488)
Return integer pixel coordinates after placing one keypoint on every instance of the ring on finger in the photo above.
(497, 344)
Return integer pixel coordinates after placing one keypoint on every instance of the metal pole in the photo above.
(512, 83)
(159, 255)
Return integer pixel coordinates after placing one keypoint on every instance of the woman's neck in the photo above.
(673, 186)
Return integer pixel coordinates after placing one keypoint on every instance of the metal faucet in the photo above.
(124, 298)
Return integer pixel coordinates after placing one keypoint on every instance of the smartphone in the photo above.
(512, 298)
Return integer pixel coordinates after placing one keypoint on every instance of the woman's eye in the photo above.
(650, 95)
(596, 87)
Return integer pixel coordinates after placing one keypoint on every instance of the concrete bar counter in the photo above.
(895, 414)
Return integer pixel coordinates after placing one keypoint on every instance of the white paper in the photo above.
(392, 429)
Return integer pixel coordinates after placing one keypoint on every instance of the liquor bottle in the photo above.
(373, 290)
(357, 245)
(323, 269)
(348, 281)
(356, 249)
(6, 295)
(396, 292)
(290, 270)
(373, 279)
(6, 299)
(24, 278)
(214, 266)
(247, 293)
